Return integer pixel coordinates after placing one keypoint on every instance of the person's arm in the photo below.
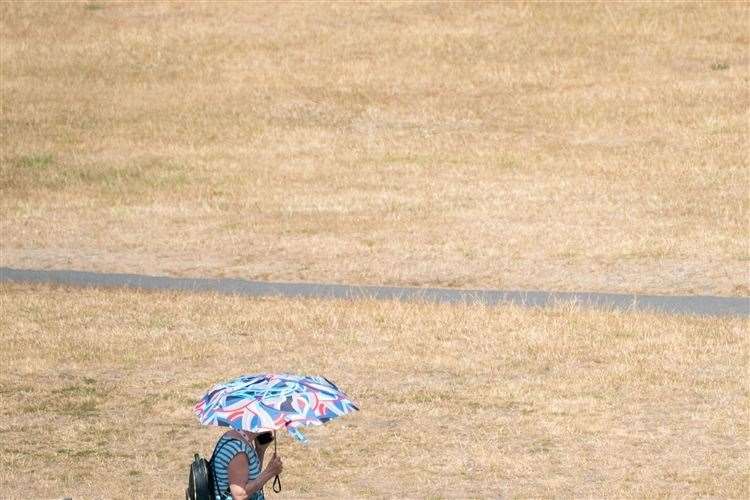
(239, 486)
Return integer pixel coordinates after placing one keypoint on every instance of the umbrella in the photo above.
(271, 401)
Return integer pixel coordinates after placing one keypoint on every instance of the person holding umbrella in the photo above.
(237, 461)
(254, 407)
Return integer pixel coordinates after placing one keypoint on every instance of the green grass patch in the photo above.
(34, 161)
(30, 173)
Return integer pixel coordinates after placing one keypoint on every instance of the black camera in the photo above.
(264, 437)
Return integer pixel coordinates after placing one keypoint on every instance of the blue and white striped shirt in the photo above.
(225, 450)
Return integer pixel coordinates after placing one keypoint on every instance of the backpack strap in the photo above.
(213, 475)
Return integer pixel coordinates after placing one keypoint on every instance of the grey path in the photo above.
(699, 305)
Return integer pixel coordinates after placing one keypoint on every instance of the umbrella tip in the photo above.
(297, 435)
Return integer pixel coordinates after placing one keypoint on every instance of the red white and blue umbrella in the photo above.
(272, 401)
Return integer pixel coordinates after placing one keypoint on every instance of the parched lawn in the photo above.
(500, 145)
(457, 401)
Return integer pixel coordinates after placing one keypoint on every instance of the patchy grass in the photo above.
(34, 162)
(93, 6)
(719, 66)
(29, 174)
(532, 146)
(98, 388)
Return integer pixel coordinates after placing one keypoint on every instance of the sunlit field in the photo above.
(457, 401)
(561, 147)
(553, 146)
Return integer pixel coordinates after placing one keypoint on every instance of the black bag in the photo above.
(200, 480)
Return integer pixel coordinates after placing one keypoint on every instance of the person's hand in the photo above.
(275, 466)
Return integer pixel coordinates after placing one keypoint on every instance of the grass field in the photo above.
(457, 401)
(586, 147)
(564, 147)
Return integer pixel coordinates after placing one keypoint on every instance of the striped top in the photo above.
(225, 450)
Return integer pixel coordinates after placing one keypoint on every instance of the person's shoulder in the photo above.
(233, 442)
(226, 449)
(229, 441)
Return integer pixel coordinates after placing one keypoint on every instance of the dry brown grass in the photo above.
(594, 147)
(457, 401)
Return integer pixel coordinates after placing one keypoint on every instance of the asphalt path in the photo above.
(672, 304)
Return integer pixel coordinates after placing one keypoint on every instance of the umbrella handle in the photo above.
(277, 480)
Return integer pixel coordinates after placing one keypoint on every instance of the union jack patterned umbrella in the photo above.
(271, 401)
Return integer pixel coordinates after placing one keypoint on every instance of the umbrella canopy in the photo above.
(271, 401)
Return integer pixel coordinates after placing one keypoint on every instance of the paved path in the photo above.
(701, 304)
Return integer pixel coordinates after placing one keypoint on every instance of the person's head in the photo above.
(247, 435)
(265, 437)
